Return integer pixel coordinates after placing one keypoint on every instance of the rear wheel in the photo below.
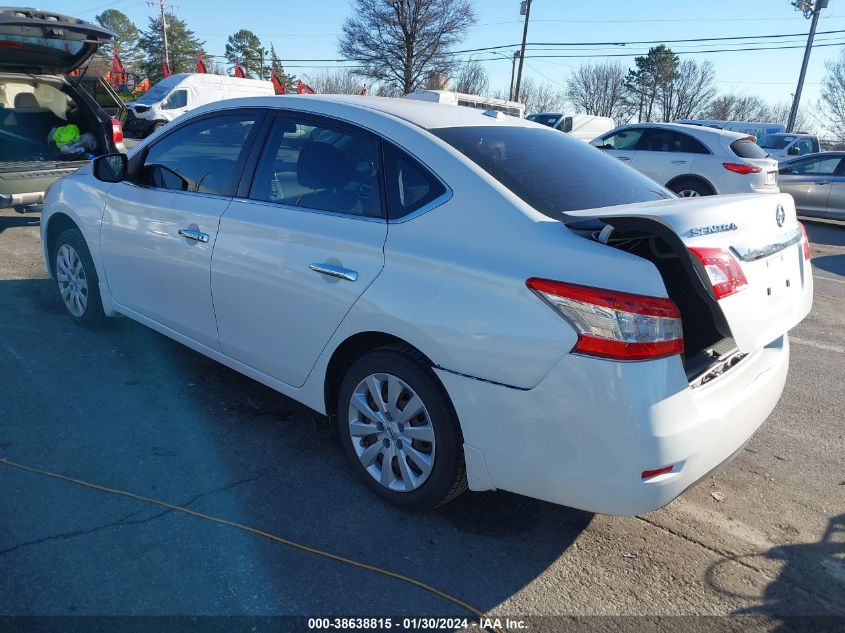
(399, 429)
(690, 188)
(76, 279)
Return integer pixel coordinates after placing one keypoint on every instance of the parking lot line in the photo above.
(839, 281)
(825, 346)
(268, 535)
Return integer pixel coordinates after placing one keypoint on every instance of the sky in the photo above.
(309, 30)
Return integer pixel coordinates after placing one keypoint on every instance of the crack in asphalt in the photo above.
(124, 520)
(733, 557)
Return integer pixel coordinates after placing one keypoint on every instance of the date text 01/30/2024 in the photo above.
(414, 624)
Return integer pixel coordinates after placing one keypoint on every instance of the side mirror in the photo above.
(794, 151)
(111, 167)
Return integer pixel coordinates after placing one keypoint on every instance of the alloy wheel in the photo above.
(391, 432)
(73, 284)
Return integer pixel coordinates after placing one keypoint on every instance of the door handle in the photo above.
(334, 271)
(822, 182)
(193, 234)
(625, 158)
(679, 162)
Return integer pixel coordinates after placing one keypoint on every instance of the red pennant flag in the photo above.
(118, 75)
(165, 69)
(303, 88)
(364, 91)
(201, 68)
(239, 72)
(278, 86)
(143, 86)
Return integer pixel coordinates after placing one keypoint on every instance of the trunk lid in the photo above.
(41, 42)
(762, 234)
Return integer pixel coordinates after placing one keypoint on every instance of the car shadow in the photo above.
(830, 263)
(808, 593)
(828, 232)
(18, 220)
(161, 420)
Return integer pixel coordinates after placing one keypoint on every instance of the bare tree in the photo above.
(404, 42)
(690, 92)
(779, 113)
(335, 82)
(734, 107)
(540, 97)
(472, 79)
(833, 98)
(599, 89)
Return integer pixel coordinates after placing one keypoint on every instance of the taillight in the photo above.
(116, 131)
(615, 325)
(805, 242)
(724, 271)
(742, 168)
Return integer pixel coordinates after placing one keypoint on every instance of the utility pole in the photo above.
(525, 8)
(811, 9)
(513, 72)
(163, 5)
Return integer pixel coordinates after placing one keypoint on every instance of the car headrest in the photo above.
(26, 101)
(321, 166)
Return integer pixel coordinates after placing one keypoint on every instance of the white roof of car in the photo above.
(699, 131)
(422, 113)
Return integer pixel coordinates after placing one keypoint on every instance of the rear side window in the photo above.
(550, 171)
(659, 140)
(746, 148)
(199, 157)
(410, 186)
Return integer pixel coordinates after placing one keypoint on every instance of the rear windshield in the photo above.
(775, 141)
(746, 148)
(552, 172)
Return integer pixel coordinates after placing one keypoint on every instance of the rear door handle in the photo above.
(625, 158)
(822, 182)
(679, 162)
(193, 234)
(334, 271)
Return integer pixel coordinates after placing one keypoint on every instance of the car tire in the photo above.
(422, 474)
(690, 188)
(76, 279)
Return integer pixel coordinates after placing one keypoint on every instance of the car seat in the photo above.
(323, 168)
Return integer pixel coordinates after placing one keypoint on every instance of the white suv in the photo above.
(692, 160)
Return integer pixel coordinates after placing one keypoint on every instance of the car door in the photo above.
(808, 181)
(160, 226)
(300, 246)
(621, 143)
(836, 199)
(664, 154)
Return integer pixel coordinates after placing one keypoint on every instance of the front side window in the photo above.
(623, 139)
(552, 172)
(320, 166)
(177, 99)
(826, 166)
(199, 157)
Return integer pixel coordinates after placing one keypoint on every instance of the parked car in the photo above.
(783, 145)
(581, 126)
(756, 129)
(539, 318)
(176, 94)
(692, 160)
(817, 184)
(36, 99)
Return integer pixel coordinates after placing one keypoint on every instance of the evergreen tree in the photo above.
(182, 44)
(245, 47)
(126, 37)
(648, 83)
(276, 64)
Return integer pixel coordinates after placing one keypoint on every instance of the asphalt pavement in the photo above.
(129, 409)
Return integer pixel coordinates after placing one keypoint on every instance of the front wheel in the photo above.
(76, 279)
(399, 429)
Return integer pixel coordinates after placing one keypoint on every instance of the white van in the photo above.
(177, 94)
(757, 129)
(449, 97)
(582, 126)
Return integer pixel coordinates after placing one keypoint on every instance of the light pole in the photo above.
(513, 71)
(525, 8)
(810, 9)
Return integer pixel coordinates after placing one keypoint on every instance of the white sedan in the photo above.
(693, 160)
(479, 301)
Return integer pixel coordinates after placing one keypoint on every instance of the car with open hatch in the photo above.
(477, 300)
(50, 123)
